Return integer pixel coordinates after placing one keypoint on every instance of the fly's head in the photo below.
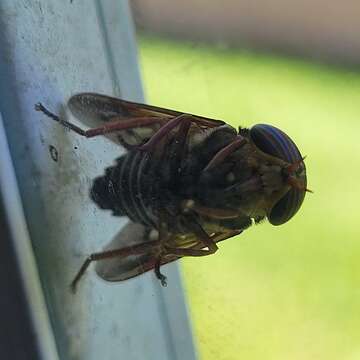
(282, 172)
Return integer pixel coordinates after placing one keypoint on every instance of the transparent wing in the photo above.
(119, 269)
(95, 109)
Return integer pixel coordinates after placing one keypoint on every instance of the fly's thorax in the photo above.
(231, 184)
(248, 181)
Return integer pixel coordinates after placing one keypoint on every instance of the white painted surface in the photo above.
(50, 50)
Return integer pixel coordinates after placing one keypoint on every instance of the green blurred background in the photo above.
(288, 292)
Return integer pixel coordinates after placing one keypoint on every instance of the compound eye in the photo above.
(275, 142)
(286, 207)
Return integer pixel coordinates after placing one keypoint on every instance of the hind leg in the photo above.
(118, 253)
(114, 125)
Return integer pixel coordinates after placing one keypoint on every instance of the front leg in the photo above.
(197, 251)
(193, 225)
(164, 235)
(204, 240)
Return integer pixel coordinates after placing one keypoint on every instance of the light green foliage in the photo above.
(288, 292)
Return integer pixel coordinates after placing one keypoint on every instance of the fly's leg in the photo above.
(225, 152)
(113, 125)
(187, 252)
(164, 130)
(201, 252)
(158, 273)
(40, 107)
(184, 120)
(179, 147)
(163, 237)
(118, 253)
(205, 240)
(202, 235)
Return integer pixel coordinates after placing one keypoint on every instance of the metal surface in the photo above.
(50, 50)
(25, 326)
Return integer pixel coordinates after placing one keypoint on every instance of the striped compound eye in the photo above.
(273, 141)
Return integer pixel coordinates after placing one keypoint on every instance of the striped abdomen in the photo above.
(128, 188)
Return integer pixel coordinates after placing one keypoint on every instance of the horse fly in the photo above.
(186, 182)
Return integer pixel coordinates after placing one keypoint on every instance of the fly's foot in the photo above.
(159, 275)
(163, 280)
(40, 107)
